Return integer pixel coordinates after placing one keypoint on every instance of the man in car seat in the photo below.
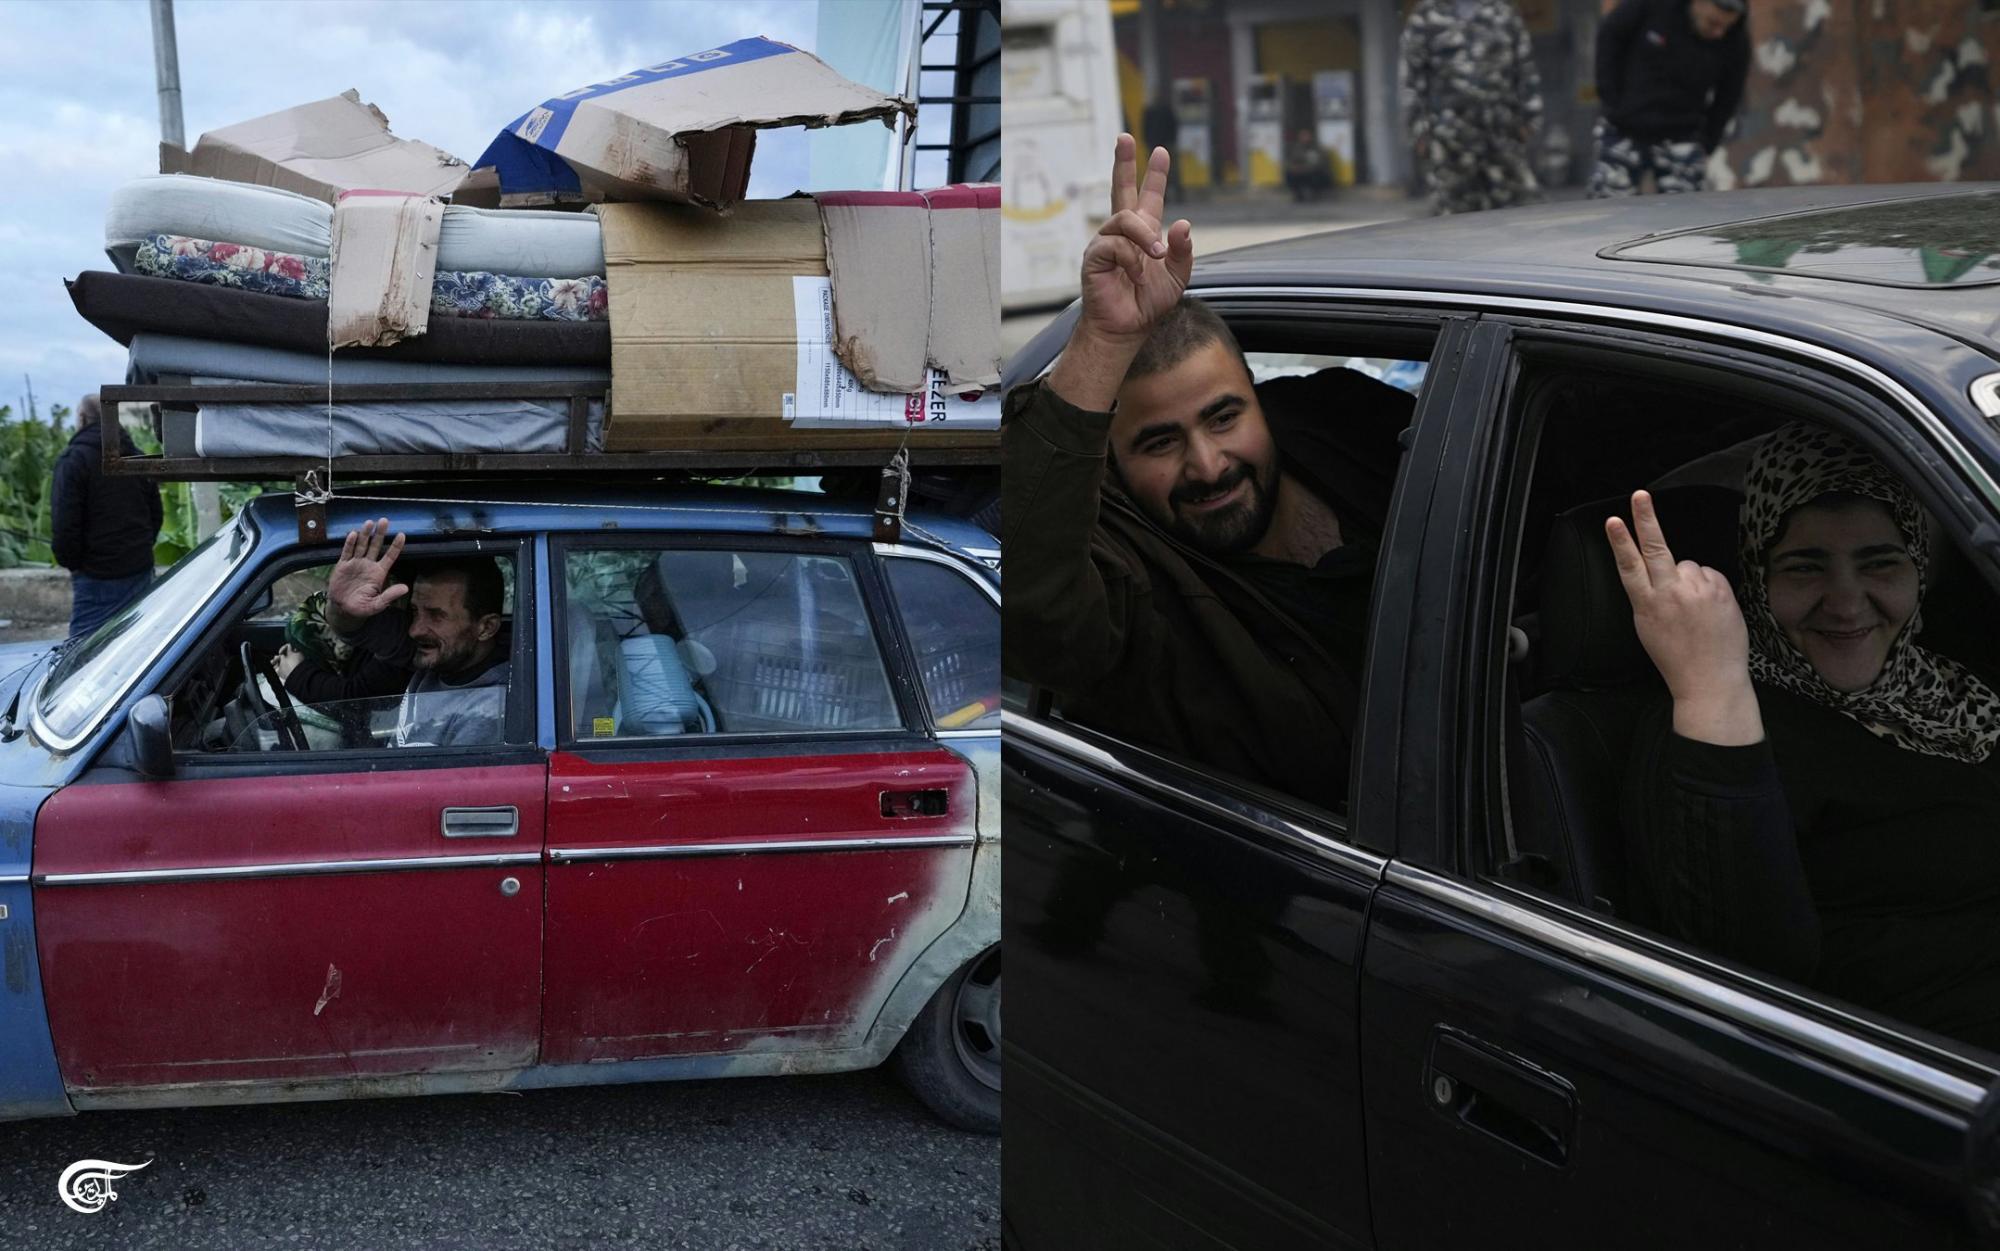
(1189, 555)
(441, 652)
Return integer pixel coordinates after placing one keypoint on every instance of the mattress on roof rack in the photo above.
(521, 243)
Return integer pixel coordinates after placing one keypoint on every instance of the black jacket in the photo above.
(1142, 636)
(1659, 80)
(1829, 856)
(102, 527)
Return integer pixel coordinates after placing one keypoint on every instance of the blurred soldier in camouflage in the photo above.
(1473, 100)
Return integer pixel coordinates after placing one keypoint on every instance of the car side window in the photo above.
(432, 670)
(719, 641)
(1805, 835)
(954, 629)
(1253, 680)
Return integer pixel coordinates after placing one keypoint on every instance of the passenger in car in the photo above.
(442, 655)
(1822, 798)
(1190, 555)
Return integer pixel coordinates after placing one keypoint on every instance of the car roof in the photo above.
(1534, 248)
(497, 507)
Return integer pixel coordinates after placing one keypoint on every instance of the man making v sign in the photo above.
(1189, 553)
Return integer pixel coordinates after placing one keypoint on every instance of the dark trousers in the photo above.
(94, 600)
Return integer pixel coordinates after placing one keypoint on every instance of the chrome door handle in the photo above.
(481, 822)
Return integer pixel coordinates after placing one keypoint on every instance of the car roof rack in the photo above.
(314, 476)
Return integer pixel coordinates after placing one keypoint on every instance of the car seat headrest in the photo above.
(1586, 619)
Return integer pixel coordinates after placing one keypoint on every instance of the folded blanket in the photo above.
(122, 305)
(233, 265)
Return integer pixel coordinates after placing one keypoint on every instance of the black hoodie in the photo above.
(1659, 80)
(101, 527)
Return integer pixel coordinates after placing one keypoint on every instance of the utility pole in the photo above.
(167, 70)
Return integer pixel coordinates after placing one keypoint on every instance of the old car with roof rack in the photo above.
(738, 816)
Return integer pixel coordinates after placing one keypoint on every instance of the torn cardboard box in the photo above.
(384, 261)
(722, 334)
(320, 149)
(680, 130)
(916, 284)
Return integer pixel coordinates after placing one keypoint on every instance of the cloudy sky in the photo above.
(77, 85)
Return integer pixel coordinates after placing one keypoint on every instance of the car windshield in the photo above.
(1938, 241)
(91, 673)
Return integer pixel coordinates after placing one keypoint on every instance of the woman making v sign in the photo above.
(1822, 800)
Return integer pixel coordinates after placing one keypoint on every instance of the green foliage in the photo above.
(28, 450)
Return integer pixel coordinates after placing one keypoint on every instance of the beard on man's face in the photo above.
(1233, 527)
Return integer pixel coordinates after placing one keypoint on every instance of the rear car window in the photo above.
(720, 642)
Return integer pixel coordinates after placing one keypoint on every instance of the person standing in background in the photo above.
(1670, 74)
(1474, 102)
(102, 529)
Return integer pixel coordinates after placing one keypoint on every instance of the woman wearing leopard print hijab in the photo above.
(1920, 700)
(1820, 798)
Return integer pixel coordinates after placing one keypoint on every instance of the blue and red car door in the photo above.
(716, 893)
(279, 920)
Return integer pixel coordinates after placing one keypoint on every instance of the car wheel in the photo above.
(951, 1055)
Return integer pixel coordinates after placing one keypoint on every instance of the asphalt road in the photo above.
(807, 1163)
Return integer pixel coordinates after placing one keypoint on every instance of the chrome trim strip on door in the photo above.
(1870, 1059)
(12, 879)
(304, 868)
(1216, 805)
(1646, 320)
(574, 855)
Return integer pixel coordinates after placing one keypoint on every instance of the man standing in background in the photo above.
(1670, 74)
(1474, 100)
(102, 529)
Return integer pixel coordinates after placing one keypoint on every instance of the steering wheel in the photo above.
(291, 734)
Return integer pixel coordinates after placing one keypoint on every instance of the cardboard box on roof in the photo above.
(683, 129)
(722, 337)
(320, 149)
(916, 284)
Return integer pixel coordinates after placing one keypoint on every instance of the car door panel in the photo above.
(1534, 1076)
(277, 926)
(706, 899)
(1181, 1041)
(1688, 1129)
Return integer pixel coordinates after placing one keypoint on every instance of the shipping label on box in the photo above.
(828, 396)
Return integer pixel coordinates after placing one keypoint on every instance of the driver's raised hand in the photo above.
(1691, 626)
(359, 586)
(1134, 270)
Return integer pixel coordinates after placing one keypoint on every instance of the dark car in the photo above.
(734, 816)
(1438, 1017)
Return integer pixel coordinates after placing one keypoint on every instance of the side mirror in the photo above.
(1982, 1171)
(149, 735)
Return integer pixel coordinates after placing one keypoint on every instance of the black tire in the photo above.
(950, 1056)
